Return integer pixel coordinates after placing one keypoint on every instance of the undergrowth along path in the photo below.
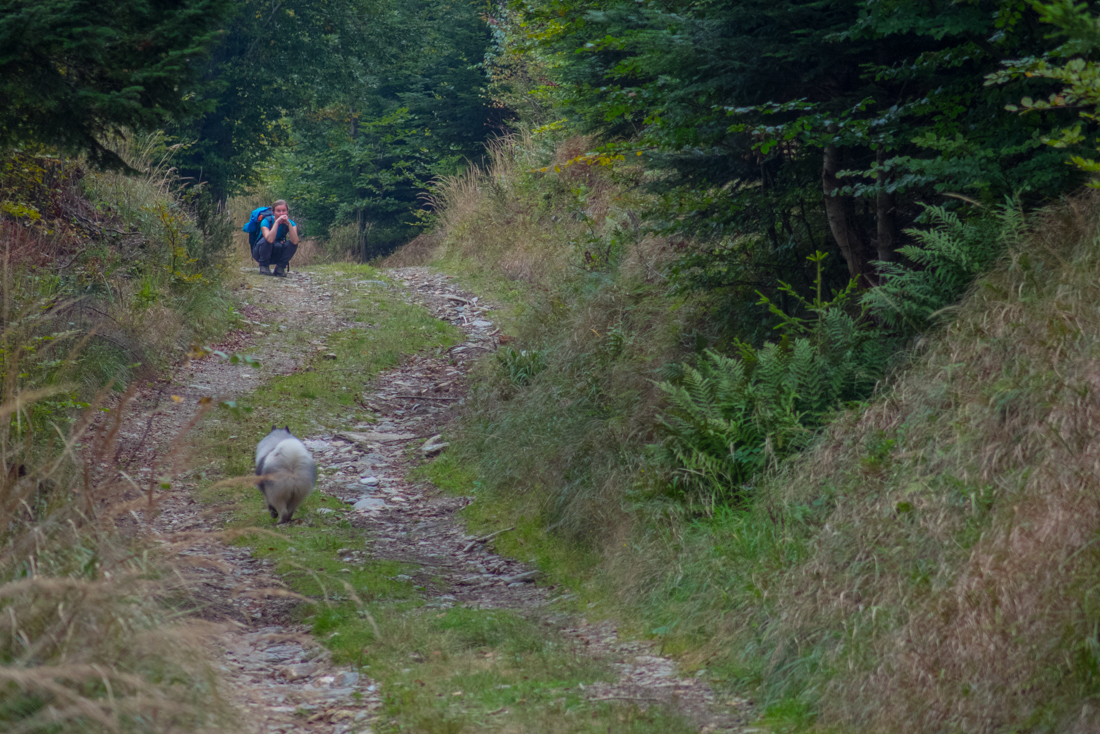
(271, 671)
(460, 571)
(415, 625)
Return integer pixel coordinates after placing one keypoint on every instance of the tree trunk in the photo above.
(360, 212)
(841, 213)
(885, 219)
(364, 246)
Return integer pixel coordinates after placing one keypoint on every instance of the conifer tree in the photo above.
(74, 72)
(790, 124)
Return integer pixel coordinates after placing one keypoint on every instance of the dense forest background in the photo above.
(787, 128)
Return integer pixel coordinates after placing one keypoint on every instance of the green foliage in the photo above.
(1077, 77)
(731, 419)
(520, 366)
(367, 154)
(36, 355)
(270, 61)
(742, 106)
(212, 246)
(905, 542)
(176, 237)
(725, 426)
(910, 499)
(74, 75)
(948, 257)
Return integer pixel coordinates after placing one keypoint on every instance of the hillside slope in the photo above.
(107, 280)
(929, 564)
(947, 573)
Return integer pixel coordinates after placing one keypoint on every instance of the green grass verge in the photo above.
(511, 299)
(565, 564)
(463, 670)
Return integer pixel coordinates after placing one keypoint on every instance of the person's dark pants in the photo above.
(273, 253)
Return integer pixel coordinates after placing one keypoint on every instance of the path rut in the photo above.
(275, 673)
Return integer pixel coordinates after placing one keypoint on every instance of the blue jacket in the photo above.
(280, 236)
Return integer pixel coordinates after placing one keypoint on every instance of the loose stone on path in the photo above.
(272, 670)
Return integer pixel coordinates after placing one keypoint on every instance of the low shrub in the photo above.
(519, 367)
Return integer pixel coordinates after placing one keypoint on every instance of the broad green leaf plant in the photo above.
(1076, 74)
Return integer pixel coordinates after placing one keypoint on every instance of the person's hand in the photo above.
(283, 219)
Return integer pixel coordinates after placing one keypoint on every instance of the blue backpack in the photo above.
(252, 226)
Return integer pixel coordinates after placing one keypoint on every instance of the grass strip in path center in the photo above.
(442, 667)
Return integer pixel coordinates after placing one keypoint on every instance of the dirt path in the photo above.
(275, 673)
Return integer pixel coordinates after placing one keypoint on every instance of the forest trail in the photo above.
(275, 673)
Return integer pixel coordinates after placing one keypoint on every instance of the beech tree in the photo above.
(273, 60)
(421, 111)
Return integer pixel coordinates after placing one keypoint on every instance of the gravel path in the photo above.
(275, 674)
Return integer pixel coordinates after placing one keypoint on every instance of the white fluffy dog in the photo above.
(287, 472)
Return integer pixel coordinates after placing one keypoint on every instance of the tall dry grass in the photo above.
(975, 542)
(503, 217)
(562, 245)
(91, 639)
(138, 268)
(421, 250)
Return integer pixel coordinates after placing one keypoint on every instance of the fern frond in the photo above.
(946, 258)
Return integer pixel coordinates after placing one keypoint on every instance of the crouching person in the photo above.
(279, 241)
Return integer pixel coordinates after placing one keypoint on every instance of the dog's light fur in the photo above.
(287, 472)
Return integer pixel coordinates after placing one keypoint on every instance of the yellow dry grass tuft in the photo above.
(90, 639)
(487, 221)
(421, 250)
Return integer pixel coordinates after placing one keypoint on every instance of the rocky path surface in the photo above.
(275, 673)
